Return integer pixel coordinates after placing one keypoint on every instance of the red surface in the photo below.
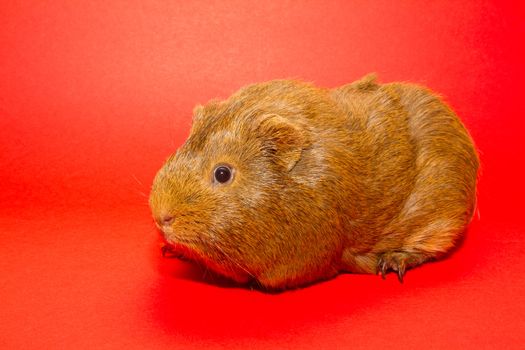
(94, 95)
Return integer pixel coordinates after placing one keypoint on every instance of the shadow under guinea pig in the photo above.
(189, 302)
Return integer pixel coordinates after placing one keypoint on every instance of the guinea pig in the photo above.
(286, 184)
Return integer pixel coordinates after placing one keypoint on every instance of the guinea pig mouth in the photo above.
(173, 238)
(180, 247)
(174, 245)
(179, 244)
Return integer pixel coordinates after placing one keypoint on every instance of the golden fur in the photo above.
(362, 178)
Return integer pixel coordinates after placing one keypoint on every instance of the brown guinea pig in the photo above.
(286, 184)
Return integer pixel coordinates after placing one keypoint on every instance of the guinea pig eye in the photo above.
(222, 174)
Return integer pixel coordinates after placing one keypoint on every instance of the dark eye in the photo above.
(222, 174)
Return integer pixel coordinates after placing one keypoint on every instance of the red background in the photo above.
(94, 95)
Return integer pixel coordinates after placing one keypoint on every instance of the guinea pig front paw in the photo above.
(168, 251)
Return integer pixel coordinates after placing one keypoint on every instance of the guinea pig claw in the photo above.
(169, 252)
(394, 263)
(401, 273)
(166, 249)
(163, 250)
(382, 268)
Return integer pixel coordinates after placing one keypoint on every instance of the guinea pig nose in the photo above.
(166, 220)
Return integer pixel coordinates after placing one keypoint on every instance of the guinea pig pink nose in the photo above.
(166, 220)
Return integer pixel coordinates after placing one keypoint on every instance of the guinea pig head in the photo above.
(217, 199)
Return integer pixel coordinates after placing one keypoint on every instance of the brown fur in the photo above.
(362, 178)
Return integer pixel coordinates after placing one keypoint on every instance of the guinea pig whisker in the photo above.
(137, 180)
(233, 261)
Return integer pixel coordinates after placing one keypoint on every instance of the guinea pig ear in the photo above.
(283, 138)
(201, 113)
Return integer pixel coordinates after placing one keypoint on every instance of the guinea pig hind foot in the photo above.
(399, 262)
